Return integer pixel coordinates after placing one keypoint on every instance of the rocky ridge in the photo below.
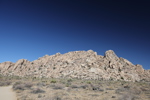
(78, 64)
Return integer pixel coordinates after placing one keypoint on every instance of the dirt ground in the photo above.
(6, 93)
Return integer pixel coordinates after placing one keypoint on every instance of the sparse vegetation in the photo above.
(5, 83)
(58, 86)
(37, 90)
(18, 87)
(75, 89)
(22, 85)
(84, 86)
(74, 86)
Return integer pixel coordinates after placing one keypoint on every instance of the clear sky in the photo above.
(30, 29)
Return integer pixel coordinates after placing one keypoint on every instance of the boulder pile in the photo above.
(78, 64)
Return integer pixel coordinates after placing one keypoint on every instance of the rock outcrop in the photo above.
(78, 64)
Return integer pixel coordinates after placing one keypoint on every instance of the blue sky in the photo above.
(33, 28)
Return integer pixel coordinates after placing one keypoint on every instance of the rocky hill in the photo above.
(78, 64)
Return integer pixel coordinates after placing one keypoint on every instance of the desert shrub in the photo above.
(94, 94)
(118, 91)
(23, 97)
(121, 90)
(88, 82)
(127, 96)
(52, 98)
(22, 85)
(2, 84)
(39, 96)
(18, 87)
(37, 90)
(28, 84)
(5, 83)
(53, 81)
(69, 80)
(143, 89)
(84, 86)
(95, 87)
(40, 84)
(74, 86)
(127, 86)
(56, 98)
(58, 86)
(111, 79)
(18, 82)
(113, 97)
(100, 89)
(68, 84)
(109, 89)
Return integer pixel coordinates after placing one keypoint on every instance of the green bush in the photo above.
(53, 81)
(88, 82)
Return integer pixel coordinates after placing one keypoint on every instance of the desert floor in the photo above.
(6, 93)
(71, 89)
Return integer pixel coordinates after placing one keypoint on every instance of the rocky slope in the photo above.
(78, 64)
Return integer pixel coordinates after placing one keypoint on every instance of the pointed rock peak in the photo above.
(45, 56)
(139, 66)
(57, 54)
(7, 62)
(92, 52)
(110, 54)
(21, 61)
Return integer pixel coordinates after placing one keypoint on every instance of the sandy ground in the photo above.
(6, 93)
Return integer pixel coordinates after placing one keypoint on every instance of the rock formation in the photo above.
(77, 64)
